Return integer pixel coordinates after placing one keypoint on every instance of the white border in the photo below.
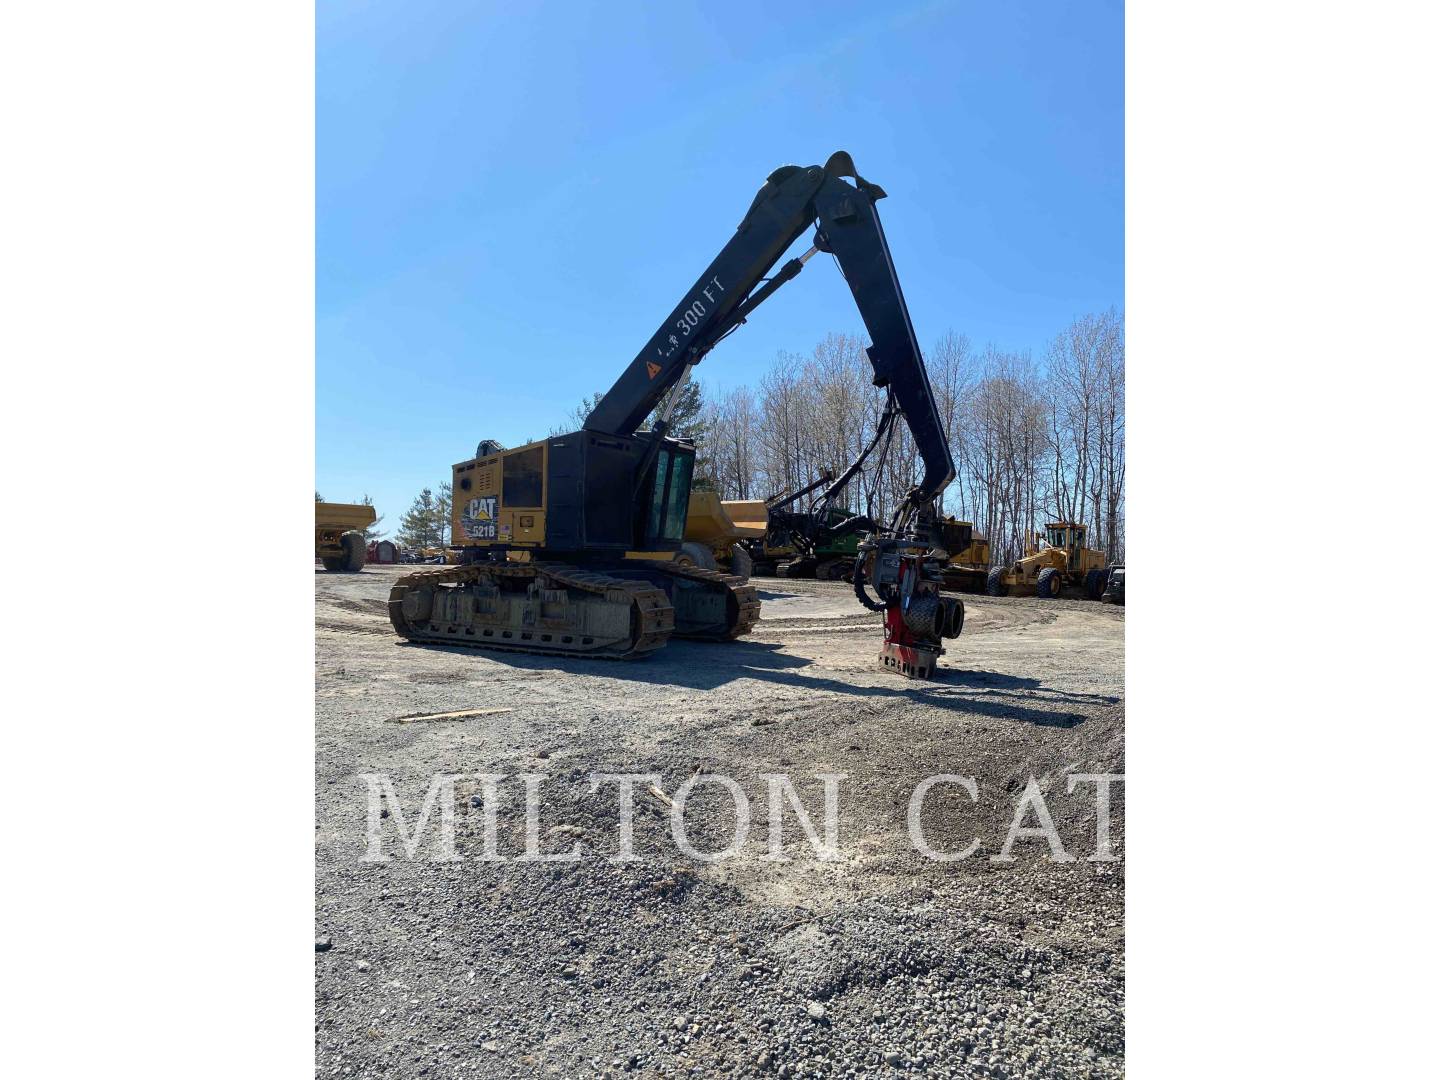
(1281, 231)
(158, 347)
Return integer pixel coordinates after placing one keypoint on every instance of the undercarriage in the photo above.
(619, 610)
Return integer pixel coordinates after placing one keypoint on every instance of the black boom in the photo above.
(847, 226)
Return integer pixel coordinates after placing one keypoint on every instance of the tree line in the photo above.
(1032, 440)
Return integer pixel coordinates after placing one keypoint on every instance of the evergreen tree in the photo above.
(373, 530)
(442, 513)
(686, 421)
(417, 525)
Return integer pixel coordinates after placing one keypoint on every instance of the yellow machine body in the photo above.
(1061, 551)
(975, 554)
(340, 534)
(718, 525)
(333, 520)
(968, 557)
(499, 500)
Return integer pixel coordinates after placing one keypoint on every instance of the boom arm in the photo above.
(781, 212)
(848, 227)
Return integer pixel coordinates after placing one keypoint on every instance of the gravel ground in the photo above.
(880, 962)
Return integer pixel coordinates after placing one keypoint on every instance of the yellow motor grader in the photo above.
(1057, 560)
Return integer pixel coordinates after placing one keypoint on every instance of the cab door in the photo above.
(669, 498)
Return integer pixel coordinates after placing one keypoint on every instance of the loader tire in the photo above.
(1095, 582)
(995, 582)
(1047, 584)
(696, 555)
(741, 564)
(333, 564)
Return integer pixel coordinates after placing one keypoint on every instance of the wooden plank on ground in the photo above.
(440, 717)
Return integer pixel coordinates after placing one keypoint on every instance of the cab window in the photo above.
(678, 501)
(657, 496)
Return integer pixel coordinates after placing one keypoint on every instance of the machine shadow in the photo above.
(704, 666)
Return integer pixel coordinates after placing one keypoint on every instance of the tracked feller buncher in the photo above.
(815, 539)
(567, 545)
(788, 545)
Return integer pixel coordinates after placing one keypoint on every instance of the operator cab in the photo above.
(1065, 534)
(669, 500)
(1069, 537)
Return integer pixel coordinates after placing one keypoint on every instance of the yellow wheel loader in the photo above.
(340, 534)
(1057, 561)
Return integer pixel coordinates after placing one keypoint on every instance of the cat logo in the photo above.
(652, 367)
(478, 518)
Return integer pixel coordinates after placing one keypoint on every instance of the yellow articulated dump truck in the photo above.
(714, 531)
(1057, 560)
(340, 534)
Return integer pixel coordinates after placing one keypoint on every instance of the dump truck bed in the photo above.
(342, 517)
(711, 521)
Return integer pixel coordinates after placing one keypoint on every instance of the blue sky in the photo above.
(511, 197)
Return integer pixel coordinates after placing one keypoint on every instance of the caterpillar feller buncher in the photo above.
(1057, 560)
(567, 545)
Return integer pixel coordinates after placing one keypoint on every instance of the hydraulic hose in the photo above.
(860, 594)
(857, 523)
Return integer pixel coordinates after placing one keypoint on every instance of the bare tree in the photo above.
(1085, 390)
(1031, 442)
(732, 422)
